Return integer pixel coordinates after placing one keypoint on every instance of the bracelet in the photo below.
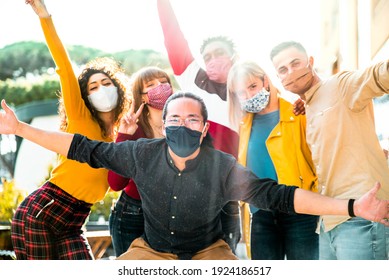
(351, 207)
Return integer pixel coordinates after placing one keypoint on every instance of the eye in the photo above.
(253, 86)
(193, 120)
(296, 64)
(282, 71)
(173, 121)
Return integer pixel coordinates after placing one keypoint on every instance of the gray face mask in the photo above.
(256, 103)
(182, 140)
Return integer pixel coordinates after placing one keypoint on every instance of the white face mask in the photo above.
(104, 99)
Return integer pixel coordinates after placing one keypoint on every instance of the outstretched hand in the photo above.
(39, 7)
(8, 120)
(371, 208)
(128, 123)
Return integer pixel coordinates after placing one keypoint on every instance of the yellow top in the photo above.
(77, 179)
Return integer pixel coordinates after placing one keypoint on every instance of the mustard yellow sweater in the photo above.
(77, 179)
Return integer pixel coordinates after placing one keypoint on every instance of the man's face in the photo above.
(216, 49)
(288, 61)
(187, 112)
(295, 70)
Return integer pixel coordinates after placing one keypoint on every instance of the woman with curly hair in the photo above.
(48, 223)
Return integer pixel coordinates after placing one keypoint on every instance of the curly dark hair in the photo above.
(112, 70)
(224, 39)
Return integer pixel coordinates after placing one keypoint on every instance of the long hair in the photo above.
(138, 79)
(115, 73)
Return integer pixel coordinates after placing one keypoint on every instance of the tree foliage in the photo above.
(27, 73)
(19, 59)
(27, 68)
(24, 90)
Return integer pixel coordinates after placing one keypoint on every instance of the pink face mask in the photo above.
(217, 69)
(158, 95)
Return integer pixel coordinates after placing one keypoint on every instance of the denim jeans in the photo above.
(355, 239)
(126, 223)
(230, 219)
(279, 236)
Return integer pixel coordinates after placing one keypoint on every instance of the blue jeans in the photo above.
(230, 219)
(355, 239)
(126, 223)
(276, 236)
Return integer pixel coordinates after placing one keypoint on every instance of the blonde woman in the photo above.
(272, 144)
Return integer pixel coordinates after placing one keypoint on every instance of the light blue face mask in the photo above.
(256, 103)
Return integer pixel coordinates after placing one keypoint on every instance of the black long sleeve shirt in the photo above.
(182, 208)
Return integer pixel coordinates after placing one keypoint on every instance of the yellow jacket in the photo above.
(288, 150)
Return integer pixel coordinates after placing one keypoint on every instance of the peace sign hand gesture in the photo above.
(128, 123)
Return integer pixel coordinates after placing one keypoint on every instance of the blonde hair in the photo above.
(240, 72)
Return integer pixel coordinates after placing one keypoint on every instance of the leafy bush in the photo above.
(10, 198)
(103, 208)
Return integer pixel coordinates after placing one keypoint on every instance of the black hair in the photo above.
(223, 39)
(112, 69)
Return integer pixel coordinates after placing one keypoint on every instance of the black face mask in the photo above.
(182, 140)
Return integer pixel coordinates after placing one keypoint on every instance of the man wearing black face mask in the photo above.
(182, 197)
(345, 148)
(210, 85)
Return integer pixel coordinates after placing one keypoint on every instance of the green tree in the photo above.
(22, 90)
(20, 58)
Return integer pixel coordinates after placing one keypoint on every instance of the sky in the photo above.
(116, 25)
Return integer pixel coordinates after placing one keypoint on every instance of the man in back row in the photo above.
(344, 145)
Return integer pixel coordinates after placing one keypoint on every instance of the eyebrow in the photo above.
(95, 82)
(294, 60)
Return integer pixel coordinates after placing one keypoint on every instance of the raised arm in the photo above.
(177, 47)
(74, 105)
(58, 142)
